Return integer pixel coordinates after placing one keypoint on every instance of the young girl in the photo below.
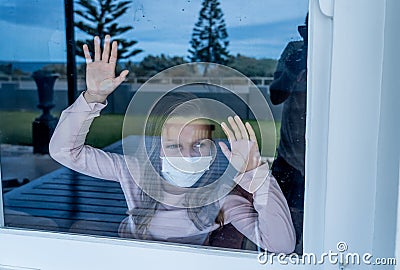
(167, 194)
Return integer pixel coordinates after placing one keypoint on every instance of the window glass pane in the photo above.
(184, 171)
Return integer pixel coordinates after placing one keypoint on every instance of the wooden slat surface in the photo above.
(66, 197)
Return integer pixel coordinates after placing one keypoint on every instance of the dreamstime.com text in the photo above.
(340, 256)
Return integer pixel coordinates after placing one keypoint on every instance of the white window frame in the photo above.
(332, 175)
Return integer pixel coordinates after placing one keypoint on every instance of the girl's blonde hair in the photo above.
(202, 217)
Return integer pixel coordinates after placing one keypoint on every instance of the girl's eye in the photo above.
(173, 146)
(198, 145)
(201, 144)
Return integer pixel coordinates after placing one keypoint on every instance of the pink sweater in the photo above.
(266, 221)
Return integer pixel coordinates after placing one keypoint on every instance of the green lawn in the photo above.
(16, 128)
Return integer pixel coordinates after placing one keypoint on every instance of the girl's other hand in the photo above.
(244, 154)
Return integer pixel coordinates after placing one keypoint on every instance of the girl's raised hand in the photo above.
(100, 73)
(244, 154)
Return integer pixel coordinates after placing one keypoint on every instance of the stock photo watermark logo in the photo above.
(205, 90)
(340, 256)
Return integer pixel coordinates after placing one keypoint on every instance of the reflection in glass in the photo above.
(290, 89)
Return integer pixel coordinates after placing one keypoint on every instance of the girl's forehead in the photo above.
(183, 122)
(181, 126)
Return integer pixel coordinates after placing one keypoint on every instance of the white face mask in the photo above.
(184, 171)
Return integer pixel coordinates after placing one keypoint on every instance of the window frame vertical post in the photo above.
(71, 51)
